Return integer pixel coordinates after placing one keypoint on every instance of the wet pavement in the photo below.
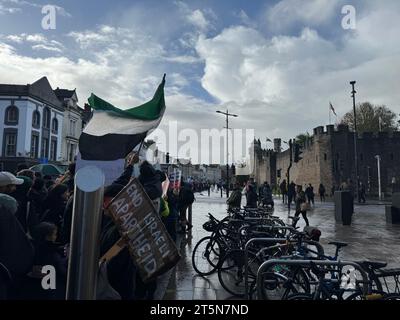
(369, 237)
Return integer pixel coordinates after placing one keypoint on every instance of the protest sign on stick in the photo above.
(152, 249)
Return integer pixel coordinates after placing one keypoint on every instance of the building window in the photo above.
(10, 144)
(53, 150)
(72, 127)
(36, 119)
(316, 158)
(54, 125)
(325, 156)
(35, 146)
(46, 118)
(71, 152)
(361, 157)
(44, 153)
(11, 116)
(391, 157)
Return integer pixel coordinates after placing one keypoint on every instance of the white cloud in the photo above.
(44, 47)
(15, 38)
(310, 13)
(39, 38)
(183, 59)
(5, 10)
(22, 3)
(282, 85)
(202, 20)
(197, 19)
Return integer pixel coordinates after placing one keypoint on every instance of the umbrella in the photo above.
(47, 169)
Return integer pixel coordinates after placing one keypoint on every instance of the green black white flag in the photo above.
(113, 133)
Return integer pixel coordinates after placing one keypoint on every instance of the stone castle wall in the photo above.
(328, 158)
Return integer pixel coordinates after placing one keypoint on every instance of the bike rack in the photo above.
(308, 263)
(319, 247)
(246, 267)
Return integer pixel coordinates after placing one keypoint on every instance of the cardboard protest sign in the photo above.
(152, 249)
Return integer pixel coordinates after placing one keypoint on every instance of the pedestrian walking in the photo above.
(283, 188)
(321, 191)
(251, 196)
(362, 193)
(186, 199)
(291, 192)
(301, 205)
(310, 194)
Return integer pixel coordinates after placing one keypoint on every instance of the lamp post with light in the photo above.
(227, 114)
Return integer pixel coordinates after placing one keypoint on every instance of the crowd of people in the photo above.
(35, 230)
(302, 197)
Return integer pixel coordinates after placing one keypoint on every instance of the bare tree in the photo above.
(371, 118)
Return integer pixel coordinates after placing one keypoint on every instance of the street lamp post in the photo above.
(227, 114)
(378, 159)
(353, 94)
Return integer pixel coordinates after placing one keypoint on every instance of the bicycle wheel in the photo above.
(206, 255)
(282, 281)
(300, 296)
(231, 272)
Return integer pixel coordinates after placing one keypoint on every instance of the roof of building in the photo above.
(64, 93)
(40, 90)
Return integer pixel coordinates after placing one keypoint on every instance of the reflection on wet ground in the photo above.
(369, 237)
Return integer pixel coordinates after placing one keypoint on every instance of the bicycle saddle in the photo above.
(294, 218)
(338, 244)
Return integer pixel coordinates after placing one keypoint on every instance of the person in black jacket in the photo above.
(186, 198)
(291, 192)
(21, 195)
(49, 252)
(16, 251)
(54, 205)
(251, 196)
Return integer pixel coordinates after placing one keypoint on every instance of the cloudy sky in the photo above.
(276, 64)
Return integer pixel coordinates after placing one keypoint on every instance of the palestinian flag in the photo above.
(113, 133)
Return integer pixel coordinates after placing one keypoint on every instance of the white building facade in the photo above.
(72, 125)
(31, 125)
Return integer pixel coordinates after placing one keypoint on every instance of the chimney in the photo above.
(277, 145)
(330, 129)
